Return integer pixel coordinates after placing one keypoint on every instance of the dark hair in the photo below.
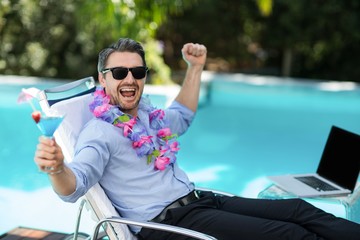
(122, 45)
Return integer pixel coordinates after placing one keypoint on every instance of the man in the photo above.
(130, 149)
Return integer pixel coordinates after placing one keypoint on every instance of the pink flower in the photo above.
(174, 146)
(100, 110)
(127, 126)
(144, 139)
(161, 162)
(163, 150)
(165, 132)
(99, 92)
(158, 113)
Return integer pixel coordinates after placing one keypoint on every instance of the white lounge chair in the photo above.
(72, 99)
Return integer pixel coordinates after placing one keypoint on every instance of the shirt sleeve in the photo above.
(92, 153)
(179, 116)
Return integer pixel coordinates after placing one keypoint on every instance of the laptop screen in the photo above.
(340, 161)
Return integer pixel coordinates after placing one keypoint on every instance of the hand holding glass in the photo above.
(48, 123)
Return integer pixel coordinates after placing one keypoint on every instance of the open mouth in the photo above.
(127, 92)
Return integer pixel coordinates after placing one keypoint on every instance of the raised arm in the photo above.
(195, 57)
(50, 159)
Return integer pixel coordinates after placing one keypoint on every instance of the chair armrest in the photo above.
(153, 225)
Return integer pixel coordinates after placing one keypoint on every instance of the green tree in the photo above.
(306, 39)
(228, 28)
(320, 38)
(36, 38)
(61, 39)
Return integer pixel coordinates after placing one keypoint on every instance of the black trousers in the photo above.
(232, 218)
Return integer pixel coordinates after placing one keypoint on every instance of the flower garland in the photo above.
(143, 144)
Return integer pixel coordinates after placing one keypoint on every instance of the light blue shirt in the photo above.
(135, 188)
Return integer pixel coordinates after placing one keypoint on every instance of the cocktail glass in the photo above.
(49, 122)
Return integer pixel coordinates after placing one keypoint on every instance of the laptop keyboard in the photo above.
(316, 183)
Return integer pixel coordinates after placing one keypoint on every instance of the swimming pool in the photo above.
(247, 127)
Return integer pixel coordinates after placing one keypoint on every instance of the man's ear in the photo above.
(102, 80)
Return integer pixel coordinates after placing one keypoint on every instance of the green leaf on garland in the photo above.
(149, 158)
(124, 118)
(156, 153)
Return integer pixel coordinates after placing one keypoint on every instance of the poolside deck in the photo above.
(30, 233)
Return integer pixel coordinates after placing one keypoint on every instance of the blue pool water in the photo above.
(247, 131)
(246, 128)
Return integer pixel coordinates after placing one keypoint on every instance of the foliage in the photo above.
(265, 6)
(307, 39)
(51, 38)
(36, 37)
(323, 36)
(225, 27)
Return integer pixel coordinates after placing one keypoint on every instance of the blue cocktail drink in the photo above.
(49, 124)
(47, 121)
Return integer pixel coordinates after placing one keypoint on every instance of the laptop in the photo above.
(337, 172)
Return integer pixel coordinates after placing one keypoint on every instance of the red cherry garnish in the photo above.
(36, 115)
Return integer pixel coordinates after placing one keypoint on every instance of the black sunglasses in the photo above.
(119, 73)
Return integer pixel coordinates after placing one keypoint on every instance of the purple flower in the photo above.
(157, 119)
(143, 147)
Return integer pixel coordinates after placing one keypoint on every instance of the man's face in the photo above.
(127, 92)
